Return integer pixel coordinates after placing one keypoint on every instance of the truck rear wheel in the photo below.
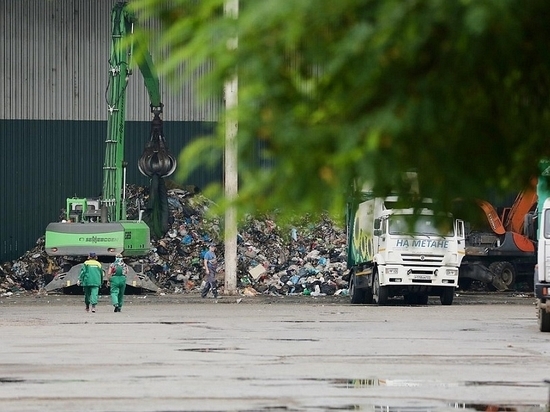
(544, 320)
(380, 294)
(446, 296)
(356, 295)
(368, 296)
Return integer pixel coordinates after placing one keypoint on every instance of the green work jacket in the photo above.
(91, 273)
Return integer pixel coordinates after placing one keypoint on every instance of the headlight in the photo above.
(451, 272)
(392, 271)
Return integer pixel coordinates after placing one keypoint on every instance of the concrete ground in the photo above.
(184, 353)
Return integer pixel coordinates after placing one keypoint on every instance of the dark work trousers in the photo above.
(210, 284)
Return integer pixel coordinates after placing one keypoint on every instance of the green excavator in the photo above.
(100, 225)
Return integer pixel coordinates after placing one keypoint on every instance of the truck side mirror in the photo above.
(529, 226)
(377, 227)
(460, 232)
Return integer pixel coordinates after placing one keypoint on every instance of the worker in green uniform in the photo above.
(91, 278)
(116, 280)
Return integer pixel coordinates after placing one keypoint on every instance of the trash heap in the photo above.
(307, 256)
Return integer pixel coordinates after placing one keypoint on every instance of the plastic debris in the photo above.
(306, 258)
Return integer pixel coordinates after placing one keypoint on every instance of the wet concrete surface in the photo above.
(291, 353)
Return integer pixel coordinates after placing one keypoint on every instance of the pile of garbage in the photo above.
(305, 257)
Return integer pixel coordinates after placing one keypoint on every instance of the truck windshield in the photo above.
(423, 225)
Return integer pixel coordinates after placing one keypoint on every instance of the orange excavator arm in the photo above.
(492, 217)
(524, 202)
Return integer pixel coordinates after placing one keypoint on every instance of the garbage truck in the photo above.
(396, 251)
(100, 225)
(542, 268)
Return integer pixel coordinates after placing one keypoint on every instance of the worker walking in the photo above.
(91, 279)
(210, 267)
(116, 280)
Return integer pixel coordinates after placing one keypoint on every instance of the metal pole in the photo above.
(231, 170)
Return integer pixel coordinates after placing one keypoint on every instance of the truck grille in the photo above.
(415, 259)
(421, 281)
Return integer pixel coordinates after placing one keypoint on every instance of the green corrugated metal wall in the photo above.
(53, 113)
(44, 162)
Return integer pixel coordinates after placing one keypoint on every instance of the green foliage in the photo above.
(333, 91)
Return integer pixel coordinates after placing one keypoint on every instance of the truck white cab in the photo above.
(408, 252)
(542, 269)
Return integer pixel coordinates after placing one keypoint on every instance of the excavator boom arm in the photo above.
(156, 159)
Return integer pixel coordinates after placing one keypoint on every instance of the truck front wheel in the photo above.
(379, 293)
(447, 295)
(544, 320)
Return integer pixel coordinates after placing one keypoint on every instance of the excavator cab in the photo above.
(83, 210)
